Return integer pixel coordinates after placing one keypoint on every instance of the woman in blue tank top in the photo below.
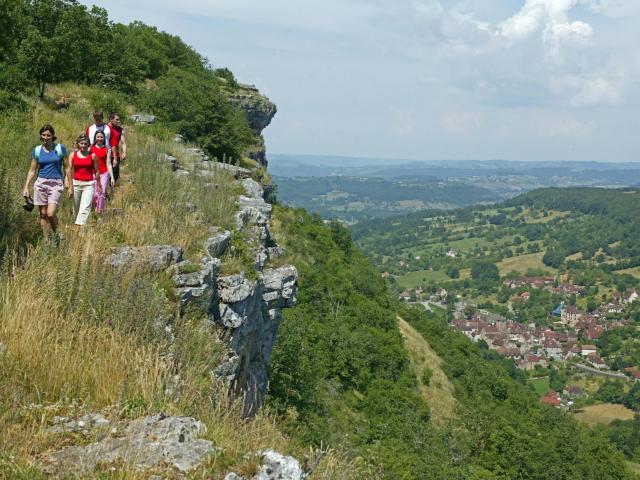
(49, 161)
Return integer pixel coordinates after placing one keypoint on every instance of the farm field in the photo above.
(413, 279)
(604, 414)
(522, 263)
(635, 271)
(540, 385)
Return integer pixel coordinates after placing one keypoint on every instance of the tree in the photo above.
(484, 270)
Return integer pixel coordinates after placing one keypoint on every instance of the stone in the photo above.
(233, 476)
(218, 243)
(280, 286)
(141, 118)
(237, 172)
(234, 288)
(253, 188)
(276, 466)
(148, 442)
(178, 138)
(153, 257)
(173, 161)
(84, 424)
(180, 173)
(190, 207)
(228, 317)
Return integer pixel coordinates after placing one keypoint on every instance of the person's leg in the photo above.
(116, 170)
(44, 221)
(52, 217)
(77, 191)
(86, 200)
(102, 196)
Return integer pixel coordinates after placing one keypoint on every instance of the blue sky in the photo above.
(427, 79)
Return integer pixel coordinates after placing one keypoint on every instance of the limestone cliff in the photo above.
(245, 308)
(259, 110)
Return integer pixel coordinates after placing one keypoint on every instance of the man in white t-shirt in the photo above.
(99, 126)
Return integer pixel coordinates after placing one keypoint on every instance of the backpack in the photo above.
(57, 149)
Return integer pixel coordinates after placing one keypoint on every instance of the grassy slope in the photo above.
(78, 337)
(604, 413)
(439, 392)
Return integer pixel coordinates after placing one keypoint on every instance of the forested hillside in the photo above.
(340, 375)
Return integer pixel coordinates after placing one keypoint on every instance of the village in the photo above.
(569, 336)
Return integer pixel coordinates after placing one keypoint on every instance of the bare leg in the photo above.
(44, 221)
(51, 216)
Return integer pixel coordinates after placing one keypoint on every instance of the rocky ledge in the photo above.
(244, 309)
(260, 111)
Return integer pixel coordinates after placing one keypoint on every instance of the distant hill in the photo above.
(355, 199)
(357, 189)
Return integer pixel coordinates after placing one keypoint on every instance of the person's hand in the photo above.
(124, 157)
(25, 193)
(115, 162)
(112, 182)
(99, 188)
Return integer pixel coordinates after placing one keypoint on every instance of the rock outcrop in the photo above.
(245, 309)
(144, 443)
(259, 110)
(275, 466)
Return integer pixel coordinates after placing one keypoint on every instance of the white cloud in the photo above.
(548, 16)
(597, 91)
(567, 127)
(461, 121)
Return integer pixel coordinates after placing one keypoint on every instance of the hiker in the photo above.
(105, 168)
(48, 159)
(118, 144)
(83, 169)
(99, 126)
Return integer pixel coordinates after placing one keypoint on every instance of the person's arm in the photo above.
(123, 142)
(30, 174)
(110, 168)
(96, 172)
(107, 137)
(69, 175)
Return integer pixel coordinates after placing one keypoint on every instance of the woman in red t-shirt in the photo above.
(103, 154)
(83, 169)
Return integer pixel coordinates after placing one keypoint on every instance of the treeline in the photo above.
(53, 41)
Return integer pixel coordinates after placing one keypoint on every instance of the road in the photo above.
(601, 373)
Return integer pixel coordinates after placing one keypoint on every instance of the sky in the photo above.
(427, 79)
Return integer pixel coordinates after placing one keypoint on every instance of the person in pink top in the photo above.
(105, 169)
(83, 169)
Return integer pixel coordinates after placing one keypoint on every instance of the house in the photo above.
(570, 315)
(630, 296)
(441, 293)
(531, 360)
(405, 296)
(552, 348)
(594, 332)
(596, 361)
(451, 254)
(524, 296)
(385, 275)
(588, 349)
(572, 391)
(551, 398)
(634, 372)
